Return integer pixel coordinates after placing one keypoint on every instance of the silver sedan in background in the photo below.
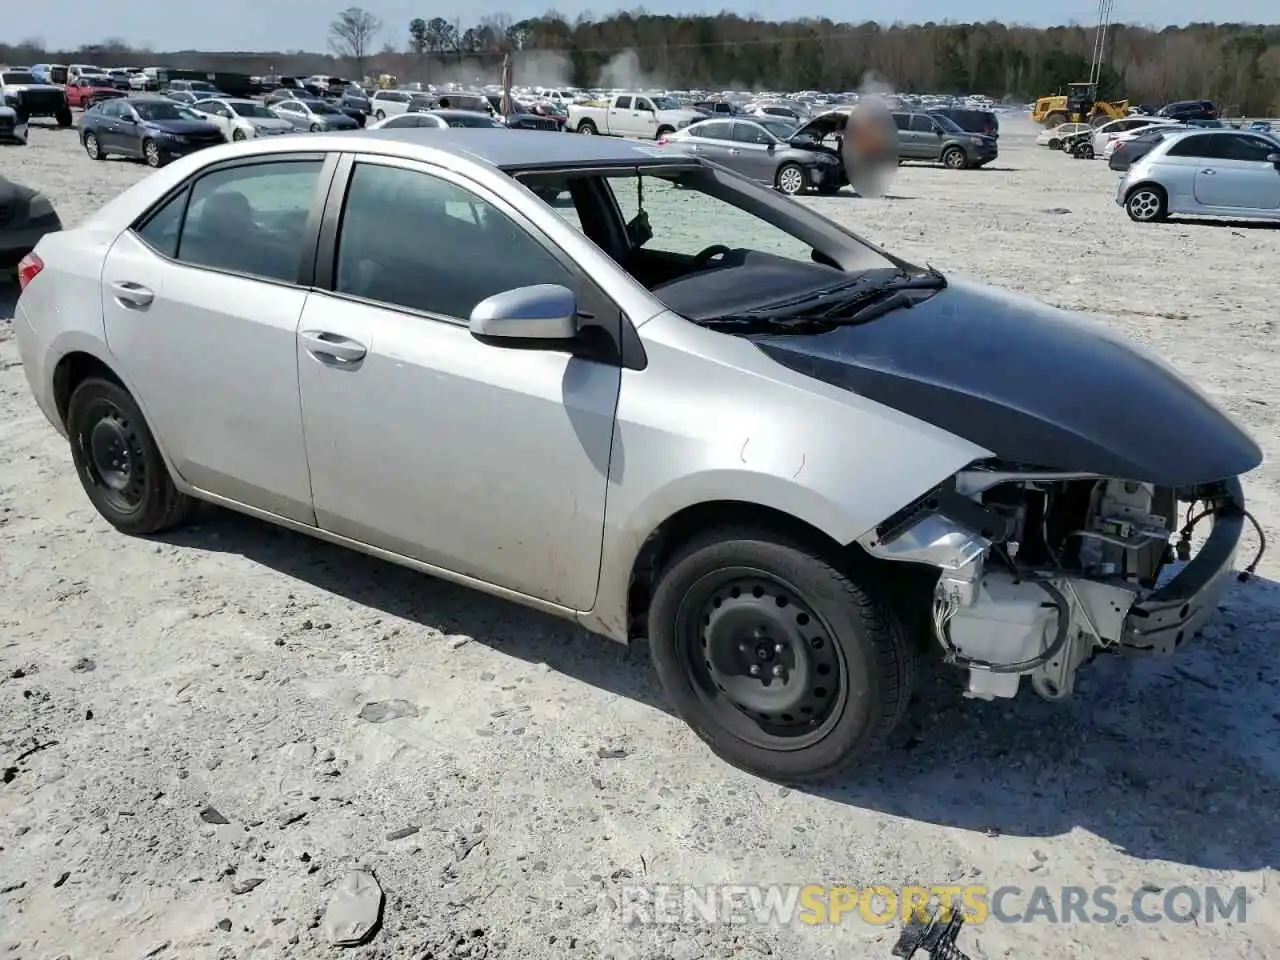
(1210, 173)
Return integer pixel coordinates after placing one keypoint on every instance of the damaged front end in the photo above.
(1038, 570)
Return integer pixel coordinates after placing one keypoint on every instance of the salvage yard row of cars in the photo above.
(1012, 527)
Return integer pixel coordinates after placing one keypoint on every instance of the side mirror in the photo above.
(544, 312)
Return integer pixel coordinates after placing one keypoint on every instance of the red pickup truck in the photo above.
(85, 92)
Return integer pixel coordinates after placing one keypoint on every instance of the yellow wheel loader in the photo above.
(1079, 105)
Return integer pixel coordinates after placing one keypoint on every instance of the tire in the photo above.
(105, 426)
(238, 135)
(1147, 203)
(380, 115)
(800, 616)
(63, 117)
(93, 147)
(587, 128)
(1053, 119)
(316, 128)
(151, 154)
(1055, 144)
(789, 179)
(1083, 151)
(664, 132)
(953, 158)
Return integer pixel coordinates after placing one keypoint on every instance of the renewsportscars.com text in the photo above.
(880, 904)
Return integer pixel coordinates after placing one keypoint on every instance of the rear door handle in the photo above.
(132, 294)
(333, 347)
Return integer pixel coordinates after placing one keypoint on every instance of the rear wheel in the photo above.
(1147, 204)
(953, 158)
(1055, 144)
(789, 179)
(93, 148)
(118, 461)
(784, 664)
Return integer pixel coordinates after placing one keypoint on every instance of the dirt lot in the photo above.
(233, 666)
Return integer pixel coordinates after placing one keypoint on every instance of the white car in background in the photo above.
(1053, 137)
(409, 120)
(1114, 143)
(1116, 128)
(390, 103)
(240, 119)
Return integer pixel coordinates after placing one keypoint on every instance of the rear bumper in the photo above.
(1175, 612)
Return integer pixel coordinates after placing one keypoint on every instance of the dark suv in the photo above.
(1185, 110)
(974, 121)
(924, 136)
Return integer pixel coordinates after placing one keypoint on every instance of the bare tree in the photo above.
(352, 35)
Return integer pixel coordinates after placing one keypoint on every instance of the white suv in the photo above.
(389, 103)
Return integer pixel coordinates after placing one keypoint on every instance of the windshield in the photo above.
(201, 85)
(780, 128)
(159, 110)
(707, 245)
(247, 108)
(319, 106)
(947, 124)
(18, 76)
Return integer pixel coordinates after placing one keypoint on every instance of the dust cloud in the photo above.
(623, 72)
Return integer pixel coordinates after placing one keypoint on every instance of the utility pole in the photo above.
(1105, 8)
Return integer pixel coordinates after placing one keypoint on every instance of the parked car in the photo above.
(241, 119)
(632, 115)
(1104, 134)
(29, 97)
(1053, 137)
(194, 86)
(746, 146)
(522, 118)
(313, 115)
(1213, 173)
(153, 129)
(87, 91)
(191, 97)
(745, 355)
(922, 136)
(26, 216)
(970, 120)
(403, 121)
(469, 118)
(389, 103)
(11, 129)
(1121, 152)
(1185, 110)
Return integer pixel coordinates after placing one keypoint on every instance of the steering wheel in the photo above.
(704, 257)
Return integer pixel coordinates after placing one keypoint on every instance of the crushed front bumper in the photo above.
(1176, 611)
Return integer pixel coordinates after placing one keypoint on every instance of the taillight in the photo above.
(28, 267)
(662, 141)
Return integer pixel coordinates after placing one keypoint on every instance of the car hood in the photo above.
(1033, 384)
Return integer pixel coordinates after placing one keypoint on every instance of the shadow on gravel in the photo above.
(1233, 224)
(1171, 759)
(8, 295)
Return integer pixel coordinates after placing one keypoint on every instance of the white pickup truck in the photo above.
(632, 115)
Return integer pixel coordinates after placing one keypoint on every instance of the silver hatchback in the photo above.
(1210, 173)
(674, 406)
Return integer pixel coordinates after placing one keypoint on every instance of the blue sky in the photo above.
(302, 24)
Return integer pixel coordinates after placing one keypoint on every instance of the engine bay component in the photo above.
(1037, 571)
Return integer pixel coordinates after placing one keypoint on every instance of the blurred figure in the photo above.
(870, 147)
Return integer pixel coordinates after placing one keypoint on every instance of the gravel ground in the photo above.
(504, 778)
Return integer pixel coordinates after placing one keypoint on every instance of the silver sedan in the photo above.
(678, 407)
(1212, 173)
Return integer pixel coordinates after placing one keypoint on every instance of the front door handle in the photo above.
(132, 294)
(1209, 172)
(333, 347)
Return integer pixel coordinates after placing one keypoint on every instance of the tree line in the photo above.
(1237, 65)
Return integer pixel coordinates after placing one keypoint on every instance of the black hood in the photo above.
(1032, 384)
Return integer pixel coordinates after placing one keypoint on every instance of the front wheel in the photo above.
(118, 461)
(587, 128)
(790, 179)
(1055, 144)
(953, 158)
(239, 135)
(151, 154)
(380, 115)
(1147, 204)
(316, 128)
(784, 664)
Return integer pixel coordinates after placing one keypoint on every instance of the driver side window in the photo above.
(687, 221)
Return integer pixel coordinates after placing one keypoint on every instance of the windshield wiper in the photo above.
(850, 303)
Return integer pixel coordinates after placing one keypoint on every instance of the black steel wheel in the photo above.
(118, 461)
(779, 660)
